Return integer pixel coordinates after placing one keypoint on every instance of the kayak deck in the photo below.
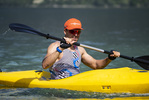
(119, 80)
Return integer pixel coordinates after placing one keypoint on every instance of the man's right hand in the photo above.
(64, 45)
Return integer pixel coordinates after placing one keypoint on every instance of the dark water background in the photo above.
(124, 30)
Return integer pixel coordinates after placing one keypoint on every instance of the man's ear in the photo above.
(65, 31)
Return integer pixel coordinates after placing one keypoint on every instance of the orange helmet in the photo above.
(73, 23)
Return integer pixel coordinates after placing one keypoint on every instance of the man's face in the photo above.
(73, 34)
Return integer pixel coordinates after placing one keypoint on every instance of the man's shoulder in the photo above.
(81, 49)
(54, 44)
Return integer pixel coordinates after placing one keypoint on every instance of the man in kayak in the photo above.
(63, 59)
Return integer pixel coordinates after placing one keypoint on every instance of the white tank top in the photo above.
(67, 66)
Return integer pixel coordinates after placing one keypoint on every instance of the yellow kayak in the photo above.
(119, 80)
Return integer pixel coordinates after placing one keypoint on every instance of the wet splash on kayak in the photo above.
(46, 93)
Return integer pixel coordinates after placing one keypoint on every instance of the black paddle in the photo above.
(143, 61)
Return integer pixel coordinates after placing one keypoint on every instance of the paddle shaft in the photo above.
(23, 28)
(92, 48)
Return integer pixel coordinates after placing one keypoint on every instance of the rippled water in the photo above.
(125, 30)
(61, 94)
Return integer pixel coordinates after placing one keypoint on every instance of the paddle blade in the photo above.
(21, 28)
(24, 28)
(143, 61)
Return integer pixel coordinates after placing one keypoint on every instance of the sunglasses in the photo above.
(75, 32)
